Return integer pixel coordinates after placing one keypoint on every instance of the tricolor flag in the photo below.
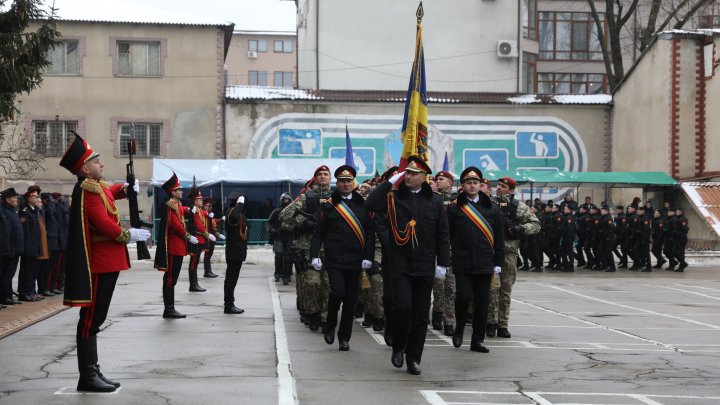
(446, 163)
(414, 129)
(349, 160)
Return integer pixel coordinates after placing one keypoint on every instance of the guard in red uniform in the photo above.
(200, 229)
(171, 246)
(96, 253)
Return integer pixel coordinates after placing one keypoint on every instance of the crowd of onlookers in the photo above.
(33, 237)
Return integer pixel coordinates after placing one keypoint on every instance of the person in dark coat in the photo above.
(641, 237)
(346, 232)
(658, 238)
(477, 237)
(669, 246)
(281, 242)
(681, 239)
(16, 245)
(235, 247)
(62, 213)
(46, 279)
(608, 240)
(567, 238)
(419, 251)
(30, 261)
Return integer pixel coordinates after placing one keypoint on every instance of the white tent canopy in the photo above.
(208, 172)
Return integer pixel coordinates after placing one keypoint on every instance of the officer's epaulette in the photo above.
(93, 186)
(172, 203)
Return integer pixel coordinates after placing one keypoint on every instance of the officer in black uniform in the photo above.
(346, 231)
(658, 238)
(641, 236)
(567, 236)
(553, 234)
(608, 240)
(681, 239)
(621, 227)
(669, 247)
(580, 217)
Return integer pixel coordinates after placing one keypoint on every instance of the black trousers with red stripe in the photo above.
(93, 316)
(170, 278)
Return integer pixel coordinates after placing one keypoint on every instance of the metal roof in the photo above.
(705, 197)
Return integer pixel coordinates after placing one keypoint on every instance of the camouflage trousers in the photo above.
(499, 306)
(444, 298)
(372, 297)
(316, 291)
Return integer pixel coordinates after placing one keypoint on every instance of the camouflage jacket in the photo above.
(523, 217)
(301, 217)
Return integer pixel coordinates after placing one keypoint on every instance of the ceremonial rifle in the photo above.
(135, 221)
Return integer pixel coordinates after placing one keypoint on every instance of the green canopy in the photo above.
(540, 178)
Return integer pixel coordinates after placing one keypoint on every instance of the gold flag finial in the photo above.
(419, 13)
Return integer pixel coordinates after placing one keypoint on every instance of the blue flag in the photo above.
(446, 163)
(348, 149)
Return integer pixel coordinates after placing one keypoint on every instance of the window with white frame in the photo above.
(64, 59)
(138, 58)
(569, 36)
(285, 46)
(283, 79)
(147, 138)
(571, 83)
(258, 45)
(257, 78)
(50, 137)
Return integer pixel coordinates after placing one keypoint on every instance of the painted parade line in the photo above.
(553, 398)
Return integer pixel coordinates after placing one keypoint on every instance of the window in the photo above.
(138, 58)
(569, 36)
(147, 138)
(571, 83)
(257, 78)
(50, 137)
(64, 59)
(283, 46)
(283, 79)
(529, 72)
(529, 19)
(259, 45)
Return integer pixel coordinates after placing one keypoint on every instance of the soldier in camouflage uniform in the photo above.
(443, 307)
(519, 222)
(373, 296)
(301, 216)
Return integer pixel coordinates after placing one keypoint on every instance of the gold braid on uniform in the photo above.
(97, 187)
(175, 206)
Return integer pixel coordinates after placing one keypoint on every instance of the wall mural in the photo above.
(490, 143)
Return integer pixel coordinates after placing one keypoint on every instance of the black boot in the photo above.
(194, 286)
(314, 321)
(105, 379)
(476, 343)
(169, 301)
(460, 320)
(232, 309)
(87, 360)
(503, 333)
(437, 320)
(368, 321)
(491, 330)
(378, 324)
(209, 274)
(449, 330)
(329, 335)
(359, 311)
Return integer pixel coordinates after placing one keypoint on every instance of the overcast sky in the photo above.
(251, 15)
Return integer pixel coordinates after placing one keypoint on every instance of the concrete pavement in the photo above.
(587, 337)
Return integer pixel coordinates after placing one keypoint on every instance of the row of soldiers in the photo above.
(588, 237)
(33, 236)
(394, 239)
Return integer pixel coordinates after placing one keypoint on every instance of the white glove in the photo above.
(193, 240)
(241, 199)
(394, 179)
(221, 236)
(139, 235)
(223, 218)
(194, 209)
(497, 269)
(136, 186)
(366, 264)
(212, 238)
(440, 272)
(316, 263)
(211, 215)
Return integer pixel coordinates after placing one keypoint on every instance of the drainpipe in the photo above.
(317, 44)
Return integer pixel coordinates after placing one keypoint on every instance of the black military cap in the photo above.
(77, 154)
(389, 173)
(471, 172)
(416, 164)
(171, 184)
(9, 193)
(345, 172)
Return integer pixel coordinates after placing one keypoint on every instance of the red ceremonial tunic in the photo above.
(201, 226)
(176, 242)
(102, 227)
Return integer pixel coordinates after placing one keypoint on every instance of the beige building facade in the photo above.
(262, 58)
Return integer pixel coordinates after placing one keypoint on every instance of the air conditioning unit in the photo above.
(252, 54)
(507, 49)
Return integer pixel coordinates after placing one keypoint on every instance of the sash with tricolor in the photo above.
(479, 220)
(352, 220)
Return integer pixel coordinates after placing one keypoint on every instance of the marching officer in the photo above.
(519, 222)
(301, 216)
(281, 242)
(346, 232)
(443, 311)
(567, 233)
(642, 241)
(477, 236)
(235, 247)
(172, 244)
(669, 247)
(658, 234)
(681, 238)
(608, 240)
(418, 240)
(96, 255)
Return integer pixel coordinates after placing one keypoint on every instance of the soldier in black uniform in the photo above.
(669, 246)
(235, 248)
(580, 224)
(596, 238)
(346, 231)
(589, 228)
(621, 227)
(680, 242)
(282, 242)
(553, 234)
(567, 235)
(419, 240)
(608, 240)
(641, 237)
(477, 235)
(658, 238)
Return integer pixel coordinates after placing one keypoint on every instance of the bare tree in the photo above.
(673, 14)
(17, 157)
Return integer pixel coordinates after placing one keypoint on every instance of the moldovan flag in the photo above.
(414, 129)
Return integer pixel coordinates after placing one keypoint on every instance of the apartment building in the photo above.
(262, 58)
